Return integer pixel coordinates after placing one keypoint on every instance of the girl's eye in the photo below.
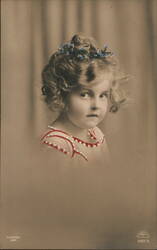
(84, 94)
(105, 94)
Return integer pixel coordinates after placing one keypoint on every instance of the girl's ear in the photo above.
(114, 108)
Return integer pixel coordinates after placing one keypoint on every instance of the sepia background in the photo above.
(49, 204)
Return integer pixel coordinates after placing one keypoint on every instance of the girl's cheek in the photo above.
(81, 103)
(105, 102)
(105, 106)
(77, 106)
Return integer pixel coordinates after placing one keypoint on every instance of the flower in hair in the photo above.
(82, 54)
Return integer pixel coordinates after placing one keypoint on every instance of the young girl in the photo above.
(81, 83)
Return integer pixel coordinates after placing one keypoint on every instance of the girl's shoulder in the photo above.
(59, 140)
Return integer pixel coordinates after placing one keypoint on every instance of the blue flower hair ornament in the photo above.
(82, 54)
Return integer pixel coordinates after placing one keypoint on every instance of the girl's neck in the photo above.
(63, 123)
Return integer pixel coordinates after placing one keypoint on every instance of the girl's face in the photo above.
(87, 106)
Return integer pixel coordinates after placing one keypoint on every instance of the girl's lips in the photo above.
(92, 115)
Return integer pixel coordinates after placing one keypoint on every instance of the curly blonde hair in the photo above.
(66, 66)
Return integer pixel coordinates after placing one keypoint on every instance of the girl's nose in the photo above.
(95, 104)
(94, 108)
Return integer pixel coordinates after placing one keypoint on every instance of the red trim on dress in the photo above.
(92, 134)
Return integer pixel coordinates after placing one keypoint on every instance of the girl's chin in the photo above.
(89, 125)
(86, 123)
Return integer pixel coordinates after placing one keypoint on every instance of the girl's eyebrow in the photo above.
(107, 90)
(85, 89)
(90, 90)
